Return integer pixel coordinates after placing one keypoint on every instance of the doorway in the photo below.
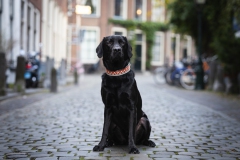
(138, 51)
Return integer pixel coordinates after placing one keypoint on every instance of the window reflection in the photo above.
(138, 9)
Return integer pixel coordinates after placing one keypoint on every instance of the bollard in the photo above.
(53, 86)
(212, 74)
(218, 84)
(3, 67)
(75, 76)
(20, 70)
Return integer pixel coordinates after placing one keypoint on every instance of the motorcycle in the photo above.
(31, 73)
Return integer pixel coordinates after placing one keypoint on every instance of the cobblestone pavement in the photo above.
(67, 125)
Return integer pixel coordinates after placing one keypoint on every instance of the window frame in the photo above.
(98, 12)
(144, 10)
(119, 29)
(95, 60)
(162, 15)
(125, 10)
(1, 11)
(161, 51)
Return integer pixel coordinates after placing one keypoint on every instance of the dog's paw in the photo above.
(149, 143)
(109, 144)
(98, 148)
(133, 150)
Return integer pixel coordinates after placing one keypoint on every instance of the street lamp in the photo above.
(199, 85)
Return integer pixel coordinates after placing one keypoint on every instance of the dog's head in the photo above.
(116, 52)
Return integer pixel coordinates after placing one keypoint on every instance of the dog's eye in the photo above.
(121, 43)
(109, 42)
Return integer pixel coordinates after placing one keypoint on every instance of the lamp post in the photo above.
(199, 85)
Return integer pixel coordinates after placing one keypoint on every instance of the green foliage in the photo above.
(89, 3)
(149, 28)
(217, 32)
(128, 24)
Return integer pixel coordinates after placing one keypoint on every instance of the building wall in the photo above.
(101, 22)
(23, 28)
(151, 8)
(54, 30)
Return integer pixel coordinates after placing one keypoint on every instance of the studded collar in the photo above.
(119, 72)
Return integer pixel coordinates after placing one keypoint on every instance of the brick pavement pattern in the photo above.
(67, 125)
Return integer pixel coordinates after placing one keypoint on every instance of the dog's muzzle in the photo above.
(116, 54)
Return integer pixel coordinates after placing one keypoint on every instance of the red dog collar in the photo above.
(119, 72)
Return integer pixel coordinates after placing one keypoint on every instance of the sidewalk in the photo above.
(28, 91)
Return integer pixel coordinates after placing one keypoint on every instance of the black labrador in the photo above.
(124, 120)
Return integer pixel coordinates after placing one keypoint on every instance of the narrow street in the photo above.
(66, 126)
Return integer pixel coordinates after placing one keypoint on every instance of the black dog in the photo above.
(124, 120)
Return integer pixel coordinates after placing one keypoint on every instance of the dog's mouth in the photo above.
(116, 57)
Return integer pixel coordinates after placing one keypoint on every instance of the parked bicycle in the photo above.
(180, 74)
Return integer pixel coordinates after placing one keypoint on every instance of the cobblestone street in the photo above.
(67, 125)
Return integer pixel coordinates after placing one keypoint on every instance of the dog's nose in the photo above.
(117, 49)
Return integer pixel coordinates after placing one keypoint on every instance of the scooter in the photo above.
(173, 74)
(31, 74)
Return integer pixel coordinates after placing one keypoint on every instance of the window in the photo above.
(95, 7)
(139, 37)
(118, 33)
(139, 9)
(1, 8)
(22, 24)
(22, 10)
(158, 14)
(11, 9)
(156, 48)
(35, 31)
(89, 42)
(28, 28)
(120, 9)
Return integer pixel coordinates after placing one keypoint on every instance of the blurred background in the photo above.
(194, 44)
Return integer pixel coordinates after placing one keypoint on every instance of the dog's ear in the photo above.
(129, 48)
(99, 49)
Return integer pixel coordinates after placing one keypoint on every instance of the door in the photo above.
(138, 58)
(138, 51)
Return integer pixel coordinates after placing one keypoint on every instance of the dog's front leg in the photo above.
(106, 125)
(131, 137)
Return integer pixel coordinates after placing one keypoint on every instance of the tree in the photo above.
(218, 34)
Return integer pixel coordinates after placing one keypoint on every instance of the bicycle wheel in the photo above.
(187, 79)
(167, 77)
(159, 75)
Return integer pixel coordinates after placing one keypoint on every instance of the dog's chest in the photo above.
(121, 98)
(118, 93)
